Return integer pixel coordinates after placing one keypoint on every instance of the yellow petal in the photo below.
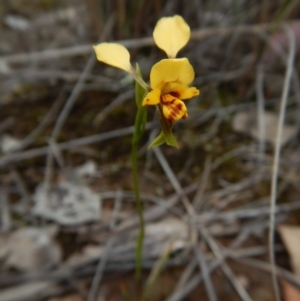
(152, 98)
(171, 34)
(175, 110)
(171, 71)
(113, 54)
(189, 93)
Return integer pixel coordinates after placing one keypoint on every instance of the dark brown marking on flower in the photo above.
(173, 114)
(176, 110)
(166, 102)
(175, 94)
(171, 118)
(179, 106)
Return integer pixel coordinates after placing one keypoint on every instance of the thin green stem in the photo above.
(140, 237)
(139, 127)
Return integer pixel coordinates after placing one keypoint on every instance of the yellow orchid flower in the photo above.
(169, 80)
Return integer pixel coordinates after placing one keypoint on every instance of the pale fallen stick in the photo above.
(54, 54)
(204, 116)
(205, 273)
(87, 268)
(246, 183)
(224, 266)
(120, 99)
(215, 263)
(19, 156)
(5, 216)
(42, 125)
(116, 209)
(246, 213)
(196, 35)
(32, 291)
(16, 177)
(68, 106)
(157, 211)
(68, 76)
(100, 269)
(223, 76)
(173, 179)
(261, 120)
(265, 266)
(79, 85)
(243, 232)
(186, 275)
(203, 183)
(55, 151)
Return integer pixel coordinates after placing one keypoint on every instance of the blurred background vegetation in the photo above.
(65, 139)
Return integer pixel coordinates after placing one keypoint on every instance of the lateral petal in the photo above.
(189, 93)
(152, 98)
(113, 54)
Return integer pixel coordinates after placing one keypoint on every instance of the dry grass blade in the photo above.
(116, 209)
(79, 85)
(261, 112)
(226, 269)
(19, 156)
(100, 269)
(282, 112)
(157, 269)
(198, 201)
(186, 275)
(265, 266)
(5, 217)
(43, 124)
(183, 291)
(172, 178)
(205, 274)
(120, 99)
